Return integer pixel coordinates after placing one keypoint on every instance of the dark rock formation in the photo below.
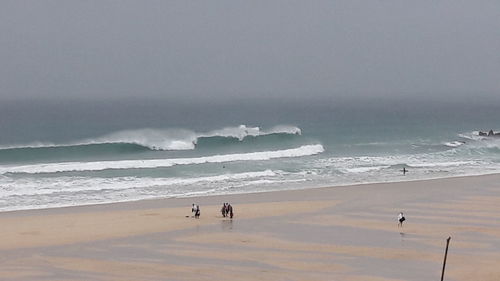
(489, 134)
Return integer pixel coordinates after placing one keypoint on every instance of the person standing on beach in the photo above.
(401, 219)
(230, 210)
(223, 210)
(196, 210)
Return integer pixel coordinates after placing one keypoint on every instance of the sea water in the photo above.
(67, 153)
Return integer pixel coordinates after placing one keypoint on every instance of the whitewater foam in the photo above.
(440, 164)
(364, 169)
(472, 136)
(305, 150)
(167, 139)
(155, 139)
(243, 131)
(454, 143)
(21, 187)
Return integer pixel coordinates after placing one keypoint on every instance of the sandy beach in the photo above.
(336, 233)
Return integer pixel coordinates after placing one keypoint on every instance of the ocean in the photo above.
(69, 152)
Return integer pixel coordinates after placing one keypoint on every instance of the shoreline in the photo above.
(328, 233)
(156, 200)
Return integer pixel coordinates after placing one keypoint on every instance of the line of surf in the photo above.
(305, 150)
(17, 187)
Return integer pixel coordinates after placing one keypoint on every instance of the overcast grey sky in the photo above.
(249, 48)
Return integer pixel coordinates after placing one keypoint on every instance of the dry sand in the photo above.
(338, 233)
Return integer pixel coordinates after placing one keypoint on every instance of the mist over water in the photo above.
(82, 152)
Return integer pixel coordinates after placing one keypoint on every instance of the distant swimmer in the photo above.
(404, 171)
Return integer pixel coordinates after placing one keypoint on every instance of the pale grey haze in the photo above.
(233, 49)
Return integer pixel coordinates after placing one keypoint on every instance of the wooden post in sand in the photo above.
(445, 255)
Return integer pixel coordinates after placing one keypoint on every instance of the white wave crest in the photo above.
(363, 169)
(172, 139)
(481, 142)
(305, 150)
(283, 129)
(454, 143)
(168, 139)
(441, 164)
(45, 186)
(472, 136)
(243, 131)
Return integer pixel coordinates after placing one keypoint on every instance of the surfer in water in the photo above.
(404, 171)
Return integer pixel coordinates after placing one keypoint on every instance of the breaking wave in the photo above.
(304, 150)
(454, 143)
(78, 184)
(165, 139)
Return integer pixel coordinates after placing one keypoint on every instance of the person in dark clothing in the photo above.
(230, 210)
(223, 210)
(196, 210)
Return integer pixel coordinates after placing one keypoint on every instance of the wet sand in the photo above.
(337, 233)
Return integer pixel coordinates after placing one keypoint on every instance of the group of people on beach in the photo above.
(226, 210)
